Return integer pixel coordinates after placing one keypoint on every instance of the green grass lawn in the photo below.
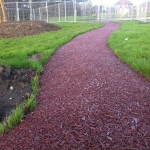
(136, 50)
(15, 52)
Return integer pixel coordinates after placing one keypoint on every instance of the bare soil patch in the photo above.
(15, 88)
(25, 28)
(36, 57)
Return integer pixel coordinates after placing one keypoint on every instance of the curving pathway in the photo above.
(88, 100)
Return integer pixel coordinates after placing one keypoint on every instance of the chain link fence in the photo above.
(73, 11)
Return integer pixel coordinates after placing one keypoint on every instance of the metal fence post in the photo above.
(17, 9)
(65, 10)
(115, 12)
(137, 12)
(75, 11)
(102, 12)
(39, 13)
(34, 14)
(98, 12)
(85, 9)
(30, 4)
(146, 10)
(132, 12)
(46, 12)
(59, 12)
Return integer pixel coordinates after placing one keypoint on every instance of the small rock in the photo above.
(11, 88)
(18, 73)
(15, 77)
(27, 95)
(109, 138)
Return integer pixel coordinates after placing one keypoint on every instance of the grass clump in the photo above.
(135, 50)
(2, 128)
(31, 102)
(15, 117)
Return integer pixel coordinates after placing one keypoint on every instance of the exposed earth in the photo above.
(25, 28)
(15, 88)
(15, 84)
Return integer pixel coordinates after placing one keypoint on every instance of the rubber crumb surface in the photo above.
(88, 100)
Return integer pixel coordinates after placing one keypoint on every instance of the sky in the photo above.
(111, 2)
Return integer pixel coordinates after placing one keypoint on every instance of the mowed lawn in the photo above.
(15, 52)
(131, 43)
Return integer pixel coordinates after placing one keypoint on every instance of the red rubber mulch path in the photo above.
(88, 100)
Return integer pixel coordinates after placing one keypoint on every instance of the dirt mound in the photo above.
(25, 28)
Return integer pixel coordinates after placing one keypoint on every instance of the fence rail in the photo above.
(72, 11)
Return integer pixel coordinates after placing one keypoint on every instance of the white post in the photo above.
(65, 10)
(17, 11)
(102, 11)
(98, 12)
(128, 12)
(131, 12)
(39, 13)
(85, 10)
(115, 12)
(146, 9)
(59, 12)
(30, 4)
(137, 12)
(75, 11)
(46, 12)
(34, 14)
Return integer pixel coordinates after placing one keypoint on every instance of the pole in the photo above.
(3, 11)
(137, 12)
(75, 11)
(65, 10)
(46, 12)
(85, 9)
(102, 11)
(34, 13)
(17, 11)
(30, 4)
(131, 12)
(98, 12)
(59, 12)
(39, 13)
(146, 10)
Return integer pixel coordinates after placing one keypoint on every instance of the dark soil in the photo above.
(25, 28)
(88, 100)
(15, 88)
